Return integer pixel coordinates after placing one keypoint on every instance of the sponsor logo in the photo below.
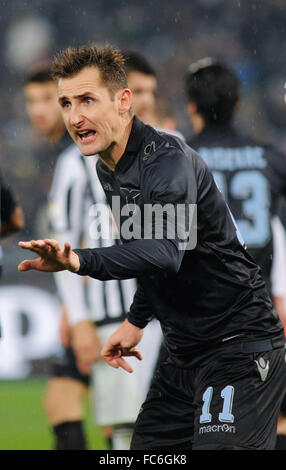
(149, 150)
(131, 197)
(225, 428)
(263, 368)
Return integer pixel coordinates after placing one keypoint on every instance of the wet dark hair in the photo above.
(108, 60)
(135, 62)
(214, 88)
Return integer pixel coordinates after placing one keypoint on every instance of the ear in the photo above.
(192, 108)
(125, 100)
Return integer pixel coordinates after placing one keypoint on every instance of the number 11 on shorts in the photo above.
(225, 416)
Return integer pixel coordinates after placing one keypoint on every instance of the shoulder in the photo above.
(169, 154)
(158, 143)
(172, 132)
(170, 168)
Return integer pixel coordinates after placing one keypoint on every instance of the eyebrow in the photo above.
(62, 99)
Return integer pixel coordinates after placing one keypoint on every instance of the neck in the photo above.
(115, 151)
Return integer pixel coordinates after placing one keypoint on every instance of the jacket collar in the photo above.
(133, 145)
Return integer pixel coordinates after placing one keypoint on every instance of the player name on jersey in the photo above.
(221, 158)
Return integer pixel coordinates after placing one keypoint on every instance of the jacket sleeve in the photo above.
(168, 181)
(140, 312)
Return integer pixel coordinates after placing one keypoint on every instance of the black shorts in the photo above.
(65, 366)
(232, 402)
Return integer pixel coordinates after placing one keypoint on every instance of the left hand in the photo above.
(122, 343)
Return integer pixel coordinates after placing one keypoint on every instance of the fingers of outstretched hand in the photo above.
(26, 265)
(52, 244)
(37, 246)
(132, 352)
(26, 245)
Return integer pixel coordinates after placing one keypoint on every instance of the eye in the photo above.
(65, 104)
(88, 100)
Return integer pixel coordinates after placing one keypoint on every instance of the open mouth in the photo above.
(86, 136)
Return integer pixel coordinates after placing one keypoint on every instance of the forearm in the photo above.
(133, 259)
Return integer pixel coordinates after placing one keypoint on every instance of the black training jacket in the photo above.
(204, 297)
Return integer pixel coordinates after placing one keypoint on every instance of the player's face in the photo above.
(42, 107)
(92, 114)
(143, 89)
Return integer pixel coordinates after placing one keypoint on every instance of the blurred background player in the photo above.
(67, 386)
(142, 81)
(148, 106)
(241, 166)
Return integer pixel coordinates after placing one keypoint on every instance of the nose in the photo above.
(76, 118)
(38, 109)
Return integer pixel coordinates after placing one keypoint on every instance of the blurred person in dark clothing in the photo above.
(242, 168)
(11, 217)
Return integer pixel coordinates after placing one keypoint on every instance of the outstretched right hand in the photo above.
(52, 258)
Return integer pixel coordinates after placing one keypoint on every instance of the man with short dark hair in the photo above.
(142, 81)
(224, 339)
(242, 168)
(41, 106)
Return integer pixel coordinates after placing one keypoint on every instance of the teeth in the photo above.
(86, 133)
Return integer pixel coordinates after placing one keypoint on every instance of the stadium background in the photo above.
(249, 35)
